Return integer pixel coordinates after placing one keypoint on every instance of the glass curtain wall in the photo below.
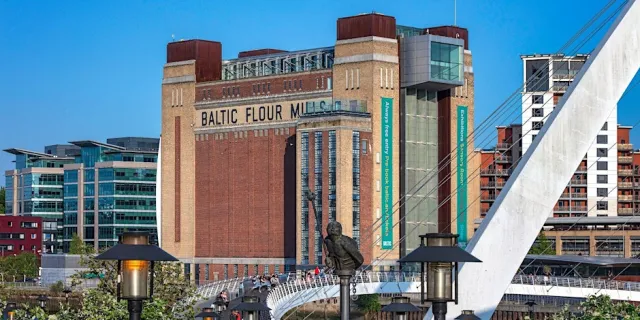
(420, 163)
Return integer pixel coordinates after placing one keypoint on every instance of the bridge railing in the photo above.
(577, 283)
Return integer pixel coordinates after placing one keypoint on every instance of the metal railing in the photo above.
(625, 146)
(625, 159)
(625, 184)
(295, 285)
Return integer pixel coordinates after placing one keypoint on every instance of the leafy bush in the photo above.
(57, 287)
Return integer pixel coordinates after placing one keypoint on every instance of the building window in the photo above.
(356, 184)
(206, 272)
(332, 175)
(246, 270)
(226, 271)
(276, 269)
(317, 238)
(33, 236)
(602, 165)
(602, 192)
(537, 112)
(605, 126)
(537, 99)
(601, 178)
(603, 205)
(602, 152)
(235, 270)
(266, 269)
(536, 125)
(255, 269)
(304, 181)
(602, 138)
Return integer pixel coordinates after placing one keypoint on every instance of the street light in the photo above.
(441, 254)
(251, 306)
(220, 304)
(66, 292)
(208, 314)
(467, 315)
(11, 310)
(399, 307)
(136, 258)
(42, 299)
(531, 304)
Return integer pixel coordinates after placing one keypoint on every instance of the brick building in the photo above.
(20, 234)
(357, 125)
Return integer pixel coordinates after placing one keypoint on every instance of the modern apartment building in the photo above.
(591, 216)
(35, 188)
(108, 190)
(92, 189)
(356, 126)
(20, 234)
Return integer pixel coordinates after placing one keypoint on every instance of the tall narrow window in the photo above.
(304, 184)
(318, 192)
(356, 184)
(332, 175)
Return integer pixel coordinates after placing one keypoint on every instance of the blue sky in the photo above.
(91, 70)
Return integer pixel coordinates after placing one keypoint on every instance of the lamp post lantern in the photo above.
(467, 315)
(208, 314)
(66, 292)
(251, 306)
(440, 253)
(219, 304)
(400, 306)
(10, 310)
(136, 258)
(531, 304)
(42, 300)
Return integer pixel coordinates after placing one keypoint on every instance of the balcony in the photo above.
(625, 211)
(488, 197)
(503, 146)
(625, 159)
(492, 184)
(567, 195)
(625, 198)
(625, 146)
(559, 89)
(626, 185)
(582, 169)
(568, 209)
(578, 182)
(503, 159)
(335, 107)
(625, 172)
(495, 172)
(563, 76)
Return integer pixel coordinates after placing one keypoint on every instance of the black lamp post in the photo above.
(467, 315)
(399, 306)
(208, 314)
(441, 254)
(251, 306)
(136, 258)
(531, 304)
(66, 292)
(10, 310)
(219, 304)
(42, 300)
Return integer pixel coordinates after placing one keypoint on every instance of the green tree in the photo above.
(368, 304)
(600, 307)
(78, 246)
(19, 266)
(542, 246)
(2, 199)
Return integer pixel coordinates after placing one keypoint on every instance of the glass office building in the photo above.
(91, 189)
(109, 190)
(35, 188)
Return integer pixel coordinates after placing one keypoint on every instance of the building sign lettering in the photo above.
(251, 114)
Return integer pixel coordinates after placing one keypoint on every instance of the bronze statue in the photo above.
(342, 251)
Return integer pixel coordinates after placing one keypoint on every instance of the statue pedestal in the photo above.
(345, 298)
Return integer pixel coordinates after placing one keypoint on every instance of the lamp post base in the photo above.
(345, 298)
(439, 310)
(135, 309)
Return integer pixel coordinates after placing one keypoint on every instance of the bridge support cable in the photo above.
(450, 196)
(514, 221)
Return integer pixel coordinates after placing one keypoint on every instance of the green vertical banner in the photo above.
(462, 176)
(386, 173)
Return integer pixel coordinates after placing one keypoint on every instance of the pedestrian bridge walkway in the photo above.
(295, 292)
